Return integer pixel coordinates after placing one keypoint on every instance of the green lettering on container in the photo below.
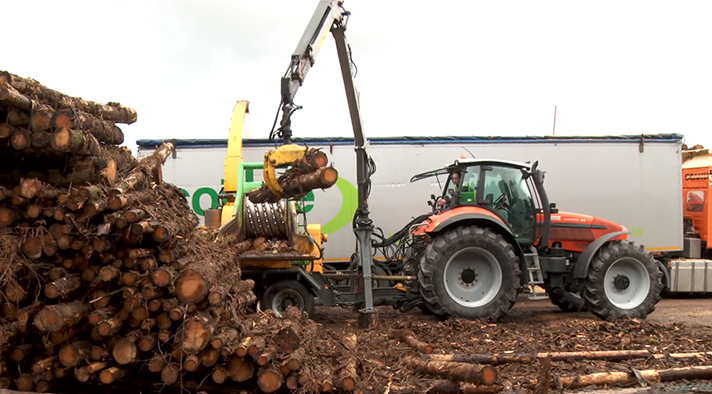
(196, 199)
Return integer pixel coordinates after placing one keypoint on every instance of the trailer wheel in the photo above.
(470, 272)
(566, 300)
(285, 293)
(623, 282)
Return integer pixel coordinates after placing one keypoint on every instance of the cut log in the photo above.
(110, 111)
(110, 327)
(71, 354)
(266, 356)
(163, 321)
(170, 373)
(104, 131)
(157, 363)
(256, 345)
(84, 374)
(294, 361)
(32, 247)
(471, 373)
(21, 140)
(27, 314)
(219, 374)
(63, 287)
(149, 165)
(497, 359)
(109, 273)
(147, 342)
(60, 316)
(269, 379)
(8, 332)
(147, 264)
(18, 118)
(209, 356)
(27, 381)
(30, 188)
(98, 353)
(650, 375)
(240, 370)
(296, 185)
(124, 351)
(150, 292)
(98, 315)
(20, 352)
(148, 324)
(134, 215)
(44, 364)
(111, 375)
(163, 276)
(13, 98)
(445, 386)
(41, 118)
(195, 333)
(348, 375)
(224, 336)
(292, 382)
(242, 348)
(76, 142)
(191, 363)
(8, 216)
(40, 139)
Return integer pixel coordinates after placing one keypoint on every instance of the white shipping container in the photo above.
(632, 180)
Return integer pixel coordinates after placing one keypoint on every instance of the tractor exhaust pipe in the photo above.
(538, 177)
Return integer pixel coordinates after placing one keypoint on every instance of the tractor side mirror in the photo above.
(553, 208)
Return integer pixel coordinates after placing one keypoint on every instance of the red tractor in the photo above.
(493, 232)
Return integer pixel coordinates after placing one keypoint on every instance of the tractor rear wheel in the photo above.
(623, 282)
(470, 272)
(565, 299)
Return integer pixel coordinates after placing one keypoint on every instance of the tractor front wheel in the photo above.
(470, 272)
(623, 282)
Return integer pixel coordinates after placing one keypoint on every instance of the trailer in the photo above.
(635, 180)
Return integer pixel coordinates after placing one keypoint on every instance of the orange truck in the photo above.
(691, 270)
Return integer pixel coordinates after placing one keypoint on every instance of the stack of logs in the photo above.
(104, 275)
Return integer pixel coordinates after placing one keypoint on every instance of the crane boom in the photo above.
(330, 16)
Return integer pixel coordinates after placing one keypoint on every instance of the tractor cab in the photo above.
(504, 189)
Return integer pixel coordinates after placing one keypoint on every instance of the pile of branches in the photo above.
(105, 276)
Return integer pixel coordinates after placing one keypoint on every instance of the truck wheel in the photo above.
(469, 272)
(285, 293)
(566, 301)
(623, 282)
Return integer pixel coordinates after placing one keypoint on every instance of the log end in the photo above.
(191, 287)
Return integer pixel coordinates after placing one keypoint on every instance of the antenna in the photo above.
(554, 133)
(468, 151)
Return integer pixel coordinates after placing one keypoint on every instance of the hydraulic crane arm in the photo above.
(330, 16)
(328, 13)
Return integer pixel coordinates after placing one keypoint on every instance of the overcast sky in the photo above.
(424, 68)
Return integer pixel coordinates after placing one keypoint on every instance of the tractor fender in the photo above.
(584, 260)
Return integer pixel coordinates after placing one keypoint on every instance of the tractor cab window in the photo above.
(462, 185)
(507, 193)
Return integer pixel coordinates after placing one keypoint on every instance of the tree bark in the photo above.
(296, 185)
(445, 386)
(347, 377)
(471, 373)
(53, 318)
(13, 98)
(8, 332)
(104, 131)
